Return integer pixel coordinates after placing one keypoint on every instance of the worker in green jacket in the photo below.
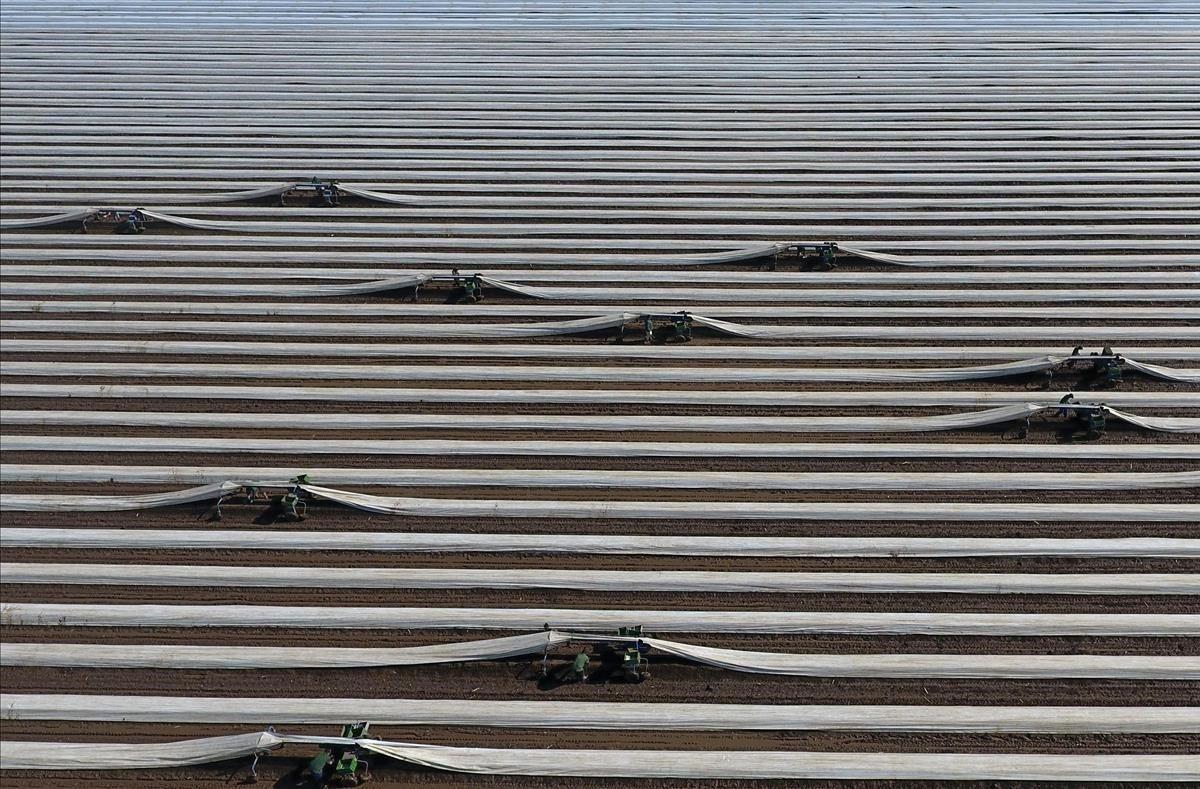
(579, 668)
(828, 257)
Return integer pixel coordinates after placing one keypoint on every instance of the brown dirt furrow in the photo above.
(681, 463)
(1054, 433)
(559, 598)
(583, 562)
(821, 643)
(672, 680)
(994, 384)
(1178, 495)
(336, 518)
(1116, 430)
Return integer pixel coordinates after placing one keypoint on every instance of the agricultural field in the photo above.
(825, 372)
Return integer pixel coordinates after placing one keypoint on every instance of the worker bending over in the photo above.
(135, 222)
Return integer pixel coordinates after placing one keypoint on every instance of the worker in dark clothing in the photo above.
(477, 279)
(1112, 373)
(648, 324)
(135, 222)
(1094, 423)
(1067, 399)
(291, 500)
(1108, 372)
(682, 326)
(827, 260)
(289, 506)
(470, 290)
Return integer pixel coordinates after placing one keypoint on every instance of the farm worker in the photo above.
(580, 666)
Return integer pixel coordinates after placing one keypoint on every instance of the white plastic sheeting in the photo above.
(529, 619)
(739, 480)
(270, 190)
(492, 396)
(1047, 332)
(282, 290)
(922, 666)
(656, 544)
(200, 224)
(447, 508)
(603, 715)
(616, 374)
(602, 422)
(602, 580)
(139, 501)
(795, 764)
(573, 351)
(667, 294)
(234, 476)
(267, 329)
(32, 755)
(1165, 424)
(474, 312)
(1041, 253)
(711, 480)
(726, 449)
(1171, 374)
(927, 665)
(902, 260)
(176, 656)
(711, 510)
(20, 755)
(505, 277)
(77, 215)
(737, 27)
(115, 503)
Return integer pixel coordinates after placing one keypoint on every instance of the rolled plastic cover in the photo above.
(291, 290)
(465, 330)
(776, 582)
(22, 755)
(795, 764)
(237, 476)
(675, 295)
(77, 215)
(604, 715)
(604, 422)
(246, 194)
(35, 502)
(501, 508)
(26, 755)
(201, 224)
(621, 374)
(626, 275)
(177, 656)
(1191, 376)
(620, 449)
(491, 396)
(867, 511)
(432, 309)
(498, 350)
(530, 619)
(239, 657)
